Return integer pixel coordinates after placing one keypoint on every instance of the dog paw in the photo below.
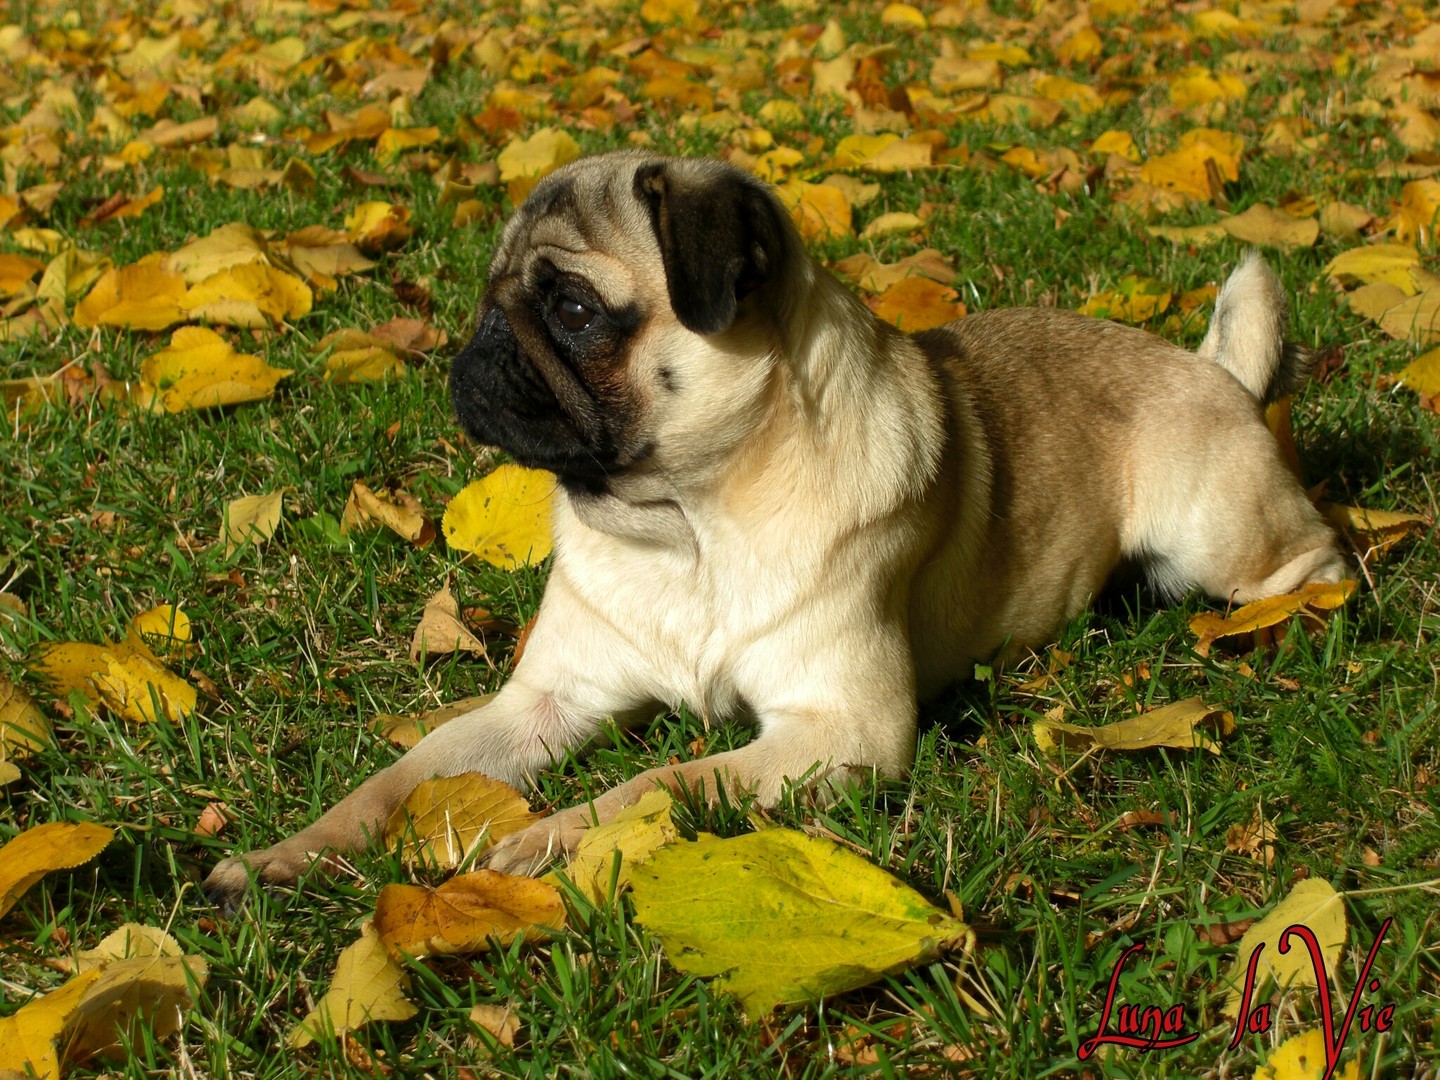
(529, 851)
(229, 883)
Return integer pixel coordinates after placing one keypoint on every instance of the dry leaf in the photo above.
(917, 303)
(466, 914)
(199, 369)
(367, 985)
(407, 731)
(1259, 615)
(398, 511)
(441, 630)
(23, 727)
(377, 227)
(524, 162)
(501, 1023)
(129, 941)
(1266, 227)
(1182, 724)
(504, 517)
(37, 851)
(251, 519)
(1379, 529)
(143, 296)
(1302, 1057)
(446, 820)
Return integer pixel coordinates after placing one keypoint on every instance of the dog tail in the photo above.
(1247, 334)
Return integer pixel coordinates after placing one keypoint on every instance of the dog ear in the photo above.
(721, 237)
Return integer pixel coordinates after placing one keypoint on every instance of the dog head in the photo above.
(624, 326)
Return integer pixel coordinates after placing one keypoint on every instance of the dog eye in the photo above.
(573, 315)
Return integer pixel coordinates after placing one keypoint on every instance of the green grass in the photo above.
(304, 640)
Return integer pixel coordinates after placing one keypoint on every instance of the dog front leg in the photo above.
(573, 679)
(802, 751)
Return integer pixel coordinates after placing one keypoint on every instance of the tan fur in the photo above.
(839, 518)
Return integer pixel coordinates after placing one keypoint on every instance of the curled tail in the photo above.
(1247, 334)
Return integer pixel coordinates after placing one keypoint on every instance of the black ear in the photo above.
(720, 234)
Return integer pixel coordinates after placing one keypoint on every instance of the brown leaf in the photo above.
(446, 820)
(441, 631)
(466, 914)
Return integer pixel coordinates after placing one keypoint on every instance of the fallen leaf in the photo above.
(398, 511)
(1133, 300)
(1423, 374)
(1266, 227)
(254, 295)
(1390, 263)
(39, 850)
(446, 820)
(1302, 1057)
(367, 985)
(1259, 615)
(1181, 724)
(500, 1023)
(636, 833)
(524, 162)
(917, 303)
(23, 727)
(251, 519)
(356, 356)
(143, 296)
(503, 517)
(441, 631)
(820, 211)
(406, 731)
(1380, 529)
(896, 223)
(376, 227)
(199, 369)
(163, 634)
(1255, 839)
(1312, 903)
(129, 941)
(785, 918)
(466, 914)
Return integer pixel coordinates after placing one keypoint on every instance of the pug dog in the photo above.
(772, 505)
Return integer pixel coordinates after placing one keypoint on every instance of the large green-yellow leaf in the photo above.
(636, 833)
(785, 918)
(1312, 903)
(504, 517)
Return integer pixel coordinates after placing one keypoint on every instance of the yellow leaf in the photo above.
(253, 295)
(1083, 98)
(956, 74)
(1181, 724)
(820, 211)
(396, 141)
(251, 519)
(356, 356)
(129, 941)
(895, 223)
(399, 511)
(1390, 263)
(877, 277)
(143, 296)
(1202, 87)
(124, 679)
(229, 246)
(903, 16)
(367, 985)
(137, 206)
(1415, 218)
(504, 517)
(378, 226)
(406, 731)
(323, 256)
(784, 917)
(1133, 300)
(17, 272)
(1381, 529)
(441, 631)
(1259, 615)
(918, 303)
(524, 162)
(1201, 162)
(1417, 318)
(882, 153)
(163, 634)
(1266, 227)
(71, 274)
(29, 1038)
(36, 852)
(199, 369)
(446, 820)
(636, 833)
(684, 12)
(1198, 235)
(1423, 374)
(466, 914)
(1312, 903)
(1302, 1057)
(1009, 55)
(1081, 46)
(23, 727)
